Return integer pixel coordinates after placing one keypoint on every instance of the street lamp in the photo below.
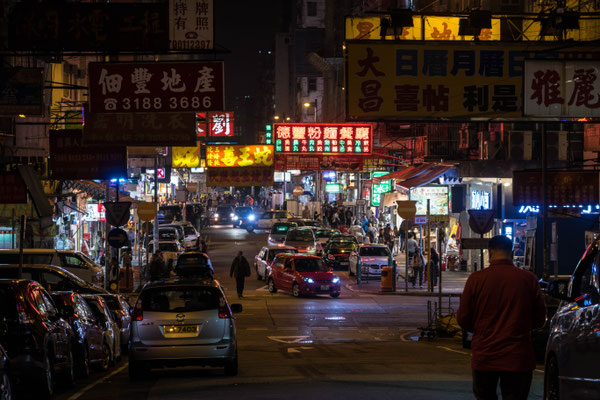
(313, 104)
(276, 117)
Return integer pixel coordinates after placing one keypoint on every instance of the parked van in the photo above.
(75, 262)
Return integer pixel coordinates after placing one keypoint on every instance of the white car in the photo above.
(170, 250)
(264, 258)
(190, 235)
(268, 218)
(370, 257)
(278, 232)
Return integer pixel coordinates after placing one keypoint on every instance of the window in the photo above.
(180, 299)
(587, 287)
(71, 261)
(54, 282)
(312, 84)
(267, 215)
(309, 265)
(374, 251)
(311, 8)
(274, 252)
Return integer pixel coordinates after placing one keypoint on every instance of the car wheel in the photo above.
(231, 367)
(105, 357)
(84, 363)
(5, 387)
(69, 374)
(272, 288)
(296, 290)
(334, 295)
(47, 387)
(551, 380)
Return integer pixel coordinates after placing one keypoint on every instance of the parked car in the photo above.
(50, 277)
(37, 340)
(302, 275)
(303, 240)
(268, 218)
(179, 227)
(75, 262)
(190, 235)
(279, 231)
(170, 249)
(6, 392)
(266, 255)
(112, 333)
(322, 235)
(223, 215)
(370, 258)
(337, 254)
(312, 223)
(119, 308)
(343, 238)
(192, 264)
(245, 216)
(89, 345)
(574, 344)
(183, 322)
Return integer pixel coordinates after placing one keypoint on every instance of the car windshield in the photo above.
(274, 252)
(341, 247)
(167, 235)
(180, 299)
(300, 235)
(189, 230)
(309, 265)
(374, 251)
(13, 258)
(167, 247)
(326, 233)
(243, 210)
(224, 210)
(281, 228)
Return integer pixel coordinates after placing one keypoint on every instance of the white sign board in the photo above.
(191, 24)
(438, 199)
(568, 88)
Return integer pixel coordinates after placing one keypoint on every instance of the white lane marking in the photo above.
(452, 350)
(288, 339)
(297, 349)
(376, 328)
(319, 328)
(348, 328)
(263, 289)
(287, 328)
(91, 385)
(257, 329)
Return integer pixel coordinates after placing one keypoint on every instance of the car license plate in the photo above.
(324, 287)
(180, 331)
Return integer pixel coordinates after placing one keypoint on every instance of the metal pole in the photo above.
(481, 257)
(13, 236)
(155, 228)
(544, 201)
(430, 284)
(21, 245)
(106, 245)
(406, 262)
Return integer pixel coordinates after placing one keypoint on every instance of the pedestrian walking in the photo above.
(418, 263)
(434, 264)
(501, 305)
(411, 245)
(157, 267)
(240, 269)
(306, 213)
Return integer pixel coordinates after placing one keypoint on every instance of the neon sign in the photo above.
(480, 200)
(323, 138)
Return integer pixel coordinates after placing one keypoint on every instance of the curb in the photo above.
(402, 292)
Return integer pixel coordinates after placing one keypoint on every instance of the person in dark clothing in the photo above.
(157, 267)
(501, 305)
(203, 246)
(240, 269)
(435, 268)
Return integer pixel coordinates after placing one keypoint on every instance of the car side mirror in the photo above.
(236, 308)
(558, 290)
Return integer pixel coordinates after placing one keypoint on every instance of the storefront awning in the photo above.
(425, 177)
(403, 174)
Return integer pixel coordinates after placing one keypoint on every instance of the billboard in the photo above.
(564, 188)
(191, 25)
(566, 89)
(88, 26)
(140, 129)
(437, 79)
(220, 156)
(156, 87)
(340, 139)
(438, 199)
(317, 162)
(215, 124)
(21, 91)
(186, 157)
(70, 158)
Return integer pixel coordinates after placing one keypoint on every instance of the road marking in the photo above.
(288, 339)
(375, 328)
(93, 384)
(319, 328)
(287, 328)
(257, 329)
(263, 289)
(297, 349)
(452, 350)
(539, 370)
(348, 328)
(291, 350)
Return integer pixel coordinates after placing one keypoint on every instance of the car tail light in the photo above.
(224, 310)
(137, 313)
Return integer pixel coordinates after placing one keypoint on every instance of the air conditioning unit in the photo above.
(557, 145)
(520, 144)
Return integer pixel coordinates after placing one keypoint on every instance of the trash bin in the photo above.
(387, 279)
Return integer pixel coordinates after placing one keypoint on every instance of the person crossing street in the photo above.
(240, 269)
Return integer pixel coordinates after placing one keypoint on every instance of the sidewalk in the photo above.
(453, 283)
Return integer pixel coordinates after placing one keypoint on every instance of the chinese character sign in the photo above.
(323, 138)
(191, 24)
(186, 157)
(21, 91)
(564, 188)
(437, 80)
(562, 88)
(156, 87)
(239, 156)
(220, 123)
(262, 176)
(378, 189)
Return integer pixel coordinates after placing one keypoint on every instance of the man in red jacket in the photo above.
(501, 305)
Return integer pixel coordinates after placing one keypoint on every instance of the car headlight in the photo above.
(251, 217)
(335, 279)
(231, 215)
(235, 217)
(216, 215)
(308, 280)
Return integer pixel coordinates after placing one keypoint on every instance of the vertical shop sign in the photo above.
(378, 189)
(220, 124)
(191, 25)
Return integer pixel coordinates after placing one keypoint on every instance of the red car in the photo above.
(302, 275)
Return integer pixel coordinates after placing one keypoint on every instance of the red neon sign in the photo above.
(323, 138)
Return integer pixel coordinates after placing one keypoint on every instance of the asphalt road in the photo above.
(358, 346)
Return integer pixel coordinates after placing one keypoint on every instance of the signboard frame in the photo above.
(288, 137)
(238, 155)
(182, 11)
(421, 202)
(21, 91)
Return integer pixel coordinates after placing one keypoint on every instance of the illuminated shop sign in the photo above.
(480, 200)
(333, 188)
(239, 156)
(323, 138)
(214, 124)
(378, 189)
(587, 209)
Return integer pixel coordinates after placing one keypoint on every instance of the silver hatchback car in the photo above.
(180, 323)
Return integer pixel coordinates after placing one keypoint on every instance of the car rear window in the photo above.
(309, 265)
(326, 233)
(274, 252)
(300, 235)
(192, 260)
(345, 246)
(374, 251)
(167, 235)
(180, 299)
(13, 258)
(8, 306)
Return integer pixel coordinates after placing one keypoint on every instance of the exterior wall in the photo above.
(315, 21)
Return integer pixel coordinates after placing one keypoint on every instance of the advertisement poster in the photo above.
(438, 196)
